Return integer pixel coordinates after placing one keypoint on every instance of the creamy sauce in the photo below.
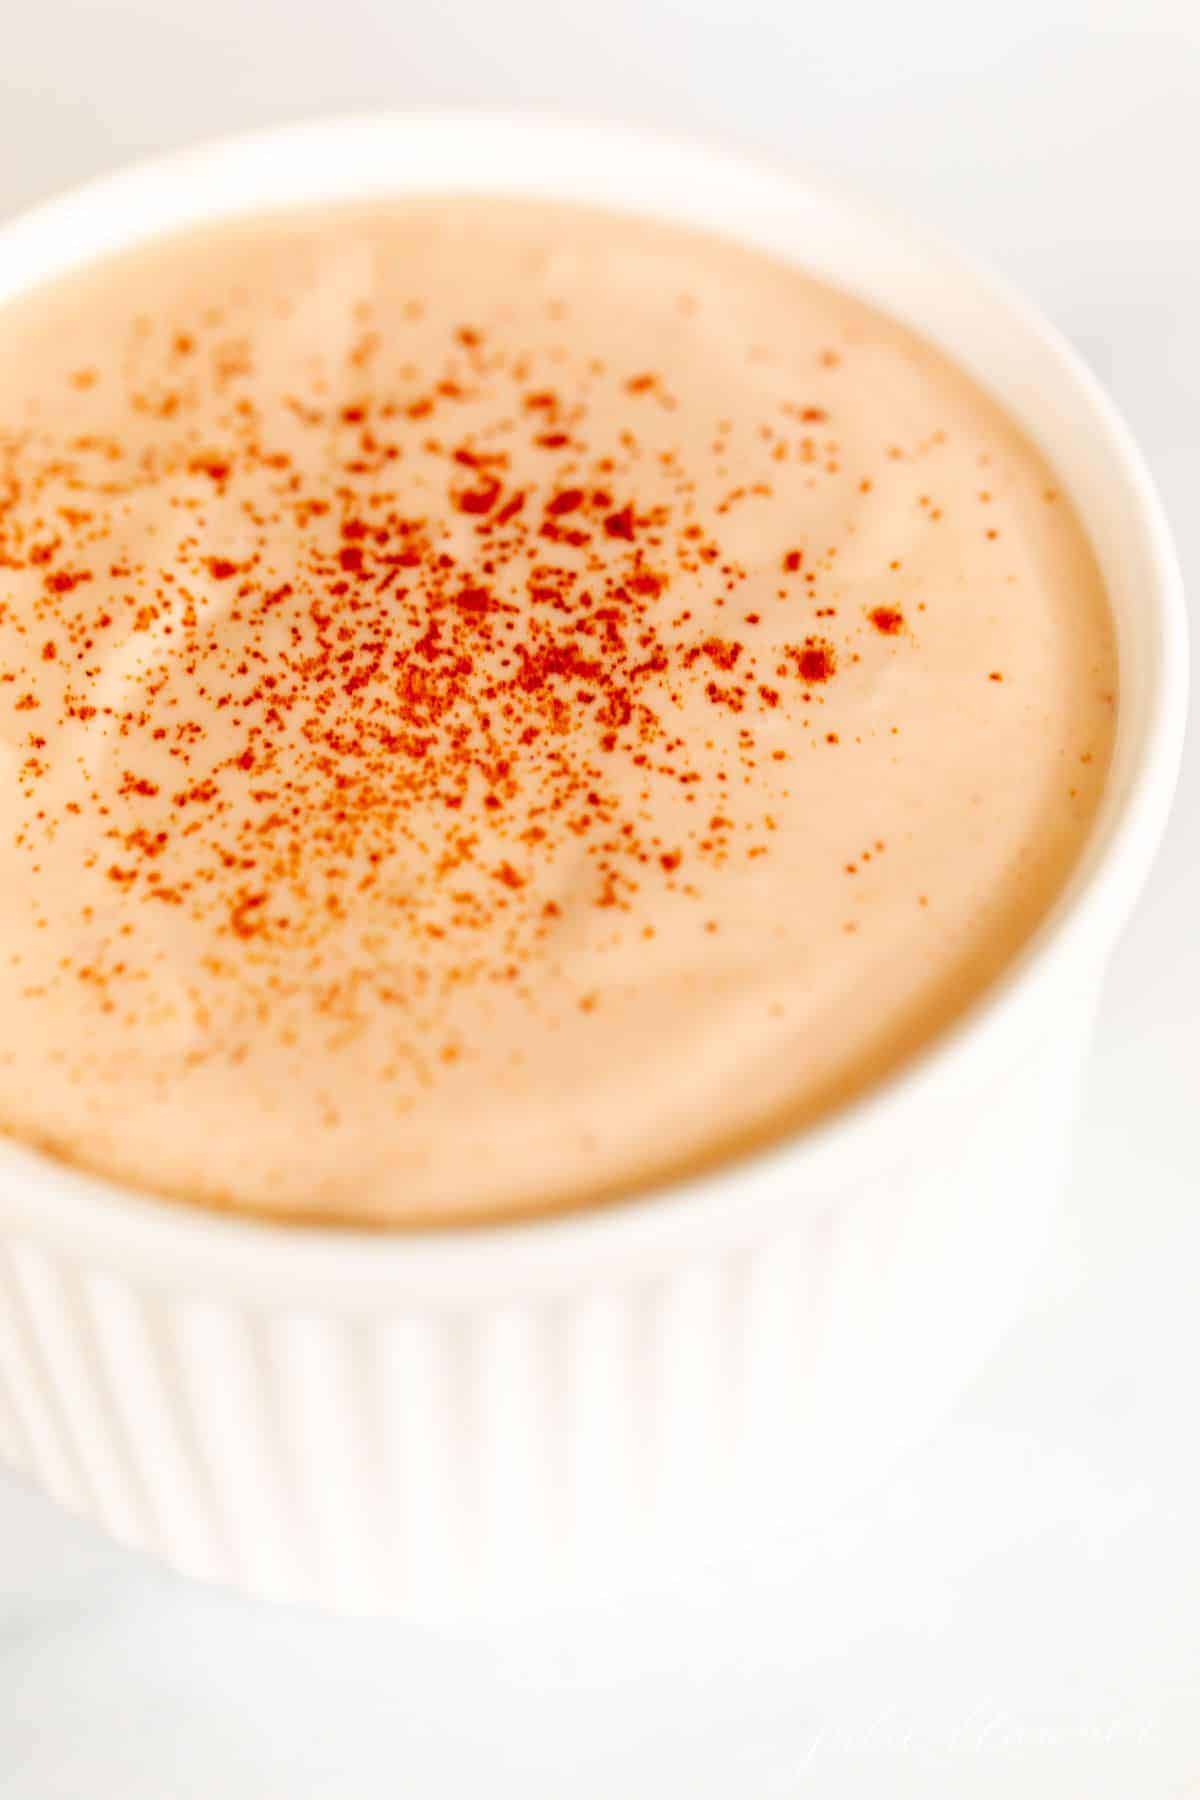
(500, 703)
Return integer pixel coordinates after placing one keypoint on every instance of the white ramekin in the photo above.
(412, 1422)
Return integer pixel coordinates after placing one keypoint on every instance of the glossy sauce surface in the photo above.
(501, 703)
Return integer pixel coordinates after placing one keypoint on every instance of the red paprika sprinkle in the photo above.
(887, 619)
(620, 524)
(813, 660)
(568, 501)
(439, 667)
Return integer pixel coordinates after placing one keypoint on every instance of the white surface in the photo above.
(1018, 1610)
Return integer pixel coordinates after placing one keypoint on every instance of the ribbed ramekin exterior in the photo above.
(415, 1457)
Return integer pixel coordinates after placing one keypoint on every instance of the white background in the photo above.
(1018, 1611)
